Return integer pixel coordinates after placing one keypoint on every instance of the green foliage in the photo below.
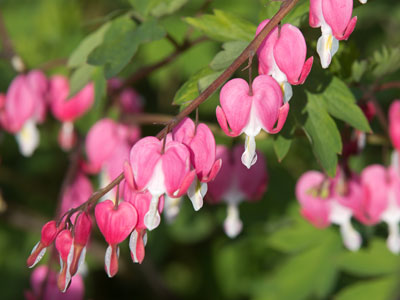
(157, 8)
(121, 42)
(294, 17)
(377, 289)
(224, 58)
(223, 26)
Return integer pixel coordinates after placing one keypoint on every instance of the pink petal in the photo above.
(290, 52)
(394, 123)
(39, 85)
(144, 156)
(111, 260)
(128, 174)
(175, 166)
(223, 122)
(267, 100)
(265, 51)
(283, 112)
(315, 15)
(115, 223)
(350, 28)
(236, 104)
(64, 243)
(214, 171)
(306, 70)
(337, 14)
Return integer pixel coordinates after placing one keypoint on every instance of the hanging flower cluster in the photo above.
(264, 105)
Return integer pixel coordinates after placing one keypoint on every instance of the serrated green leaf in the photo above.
(323, 134)
(372, 261)
(377, 289)
(224, 58)
(342, 105)
(385, 61)
(79, 78)
(121, 42)
(189, 90)
(358, 69)
(80, 54)
(224, 26)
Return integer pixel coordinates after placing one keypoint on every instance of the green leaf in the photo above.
(385, 61)
(225, 57)
(283, 140)
(121, 42)
(342, 105)
(377, 289)
(323, 134)
(190, 89)
(79, 78)
(80, 54)
(205, 81)
(294, 17)
(224, 26)
(372, 261)
(358, 69)
(157, 8)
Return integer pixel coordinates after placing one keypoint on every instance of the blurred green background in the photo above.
(278, 255)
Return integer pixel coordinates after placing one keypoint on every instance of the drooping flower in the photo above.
(82, 230)
(137, 241)
(201, 144)
(115, 223)
(48, 235)
(42, 275)
(64, 242)
(334, 18)
(246, 113)
(321, 205)
(283, 56)
(129, 100)
(107, 147)
(25, 106)
(161, 170)
(235, 183)
(68, 110)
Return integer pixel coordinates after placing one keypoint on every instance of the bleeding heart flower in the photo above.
(245, 113)
(159, 170)
(129, 100)
(42, 275)
(68, 110)
(235, 183)
(24, 106)
(201, 144)
(115, 223)
(283, 56)
(64, 242)
(394, 123)
(107, 146)
(82, 230)
(321, 206)
(141, 201)
(334, 18)
(49, 233)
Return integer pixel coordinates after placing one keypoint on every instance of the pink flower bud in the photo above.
(160, 172)
(115, 223)
(334, 18)
(245, 113)
(141, 201)
(82, 230)
(235, 183)
(64, 247)
(201, 144)
(50, 291)
(49, 233)
(394, 124)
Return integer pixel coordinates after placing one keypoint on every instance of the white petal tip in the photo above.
(152, 220)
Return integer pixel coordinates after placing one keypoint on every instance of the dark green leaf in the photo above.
(323, 133)
(121, 42)
(157, 8)
(342, 105)
(224, 26)
(225, 57)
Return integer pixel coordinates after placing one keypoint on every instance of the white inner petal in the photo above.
(132, 245)
(327, 46)
(40, 255)
(152, 218)
(249, 156)
(28, 138)
(395, 161)
(172, 207)
(196, 193)
(392, 218)
(232, 224)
